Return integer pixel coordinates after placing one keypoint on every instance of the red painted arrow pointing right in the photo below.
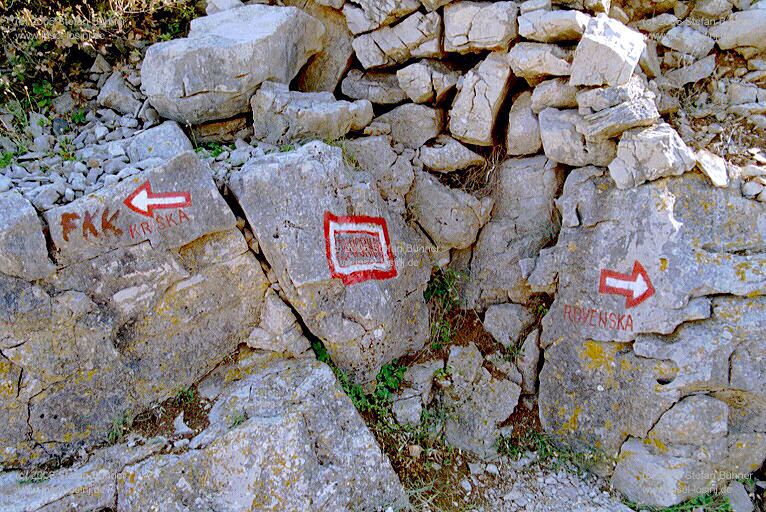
(636, 287)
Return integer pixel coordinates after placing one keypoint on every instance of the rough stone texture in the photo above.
(528, 362)
(476, 26)
(366, 15)
(302, 446)
(701, 69)
(607, 53)
(556, 93)
(412, 125)
(507, 322)
(116, 94)
(742, 30)
(648, 154)
(213, 73)
(521, 225)
(164, 141)
(363, 325)
(481, 93)
(281, 116)
(553, 26)
(612, 121)
(687, 40)
(418, 35)
(409, 402)
(23, 252)
(279, 330)
(447, 155)
(324, 70)
(377, 87)
(393, 172)
(714, 167)
(102, 221)
(523, 137)
(536, 61)
(452, 218)
(427, 80)
(477, 402)
(562, 136)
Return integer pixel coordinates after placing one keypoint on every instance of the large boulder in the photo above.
(344, 260)
(23, 252)
(212, 73)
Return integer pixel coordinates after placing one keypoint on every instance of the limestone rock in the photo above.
(281, 116)
(213, 73)
(523, 137)
(23, 251)
(366, 15)
(279, 330)
(528, 362)
(556, 93)
(508, 322)
(701, 69)
(418, 35)
(427, 80)
(452, 218)
(413, 125)
(648, 154)
(553, 26)
(393, 173)
(377, 87)
(536, 61)
(480, 94)
(476, 26)
(408, 404)
(695, 420)
(521, 225)
(214, 6)
(742, 30)
(563, 141)
(714, 167)
(164, 141)
(687, 40)
(447, 155)
(607, 53)
(364, 317)
(116, 94)
(612, 121)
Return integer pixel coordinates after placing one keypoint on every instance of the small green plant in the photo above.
(711, 502)
(541, 310)
(442, 293)
(185, 396)
(443, 373)
(78, 117)
(348, 158)
(43, 94)
(211, 148)
(36, 477)
(6, 158)
(237, 419)
(66, 149)
(285, 148)
(120, 425)
(441, 333)
(549, 453)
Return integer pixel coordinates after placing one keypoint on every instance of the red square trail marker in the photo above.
(358, 248)
(635, 287)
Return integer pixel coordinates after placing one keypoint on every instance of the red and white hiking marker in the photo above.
(636, 287)
(358, 248)
(144, 201)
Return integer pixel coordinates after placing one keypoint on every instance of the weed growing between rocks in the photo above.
(443, 297)
(712, 502)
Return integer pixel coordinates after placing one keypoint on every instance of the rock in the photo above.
(116, 94)
(508, 322)
(520, 227)
(23, 251)
(215, 6)
(375, 86)
(427, 80)
(180, 428)
(685, 39)
(556, 93)
(325, 70)
(714, 167)
(281, 116)
(123, 215)
(407, 411)
(452, 218)
(738, 498)
(412, 125)
(696, 420)
(227, 130)
(46, 196)
(447, 155)
(477, 401)
(279, 330)
(165, 141)
(612, 121)
(648, 154)
(418, 35)
(523, 137)
(741, 30)
(553, 26)
(564, 142)
(480, 94)
(536, 61)
(367, 15)
(364, 317)
(597, 99)
(701, 69)
(212, 73)
(100, 65)
(393, 173)
(607, 53)
(476, 26)
(528, 362)
(408, 404)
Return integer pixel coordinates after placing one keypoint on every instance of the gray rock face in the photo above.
(213, 73)
(521, 224)
(507, 322)
(169, 206)
(562, 134)
(409, 402)
(365, 305)
(164, 141)
(412, 125)
(116, 94)
(23, 252)
(281, 116)
(427, 80)
(366, 15)
(743, 30)
(556, 93)
(418, 35)
(612, 121)
(481, 93)
(687, 40)
(393, 172)
(377, 87)
(447, 155)
(553, 26)
(536, 61)
(476, 26)
(452, 218)
(523, 137)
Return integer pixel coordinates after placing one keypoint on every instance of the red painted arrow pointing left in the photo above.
(144, 201)
(636, 287)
